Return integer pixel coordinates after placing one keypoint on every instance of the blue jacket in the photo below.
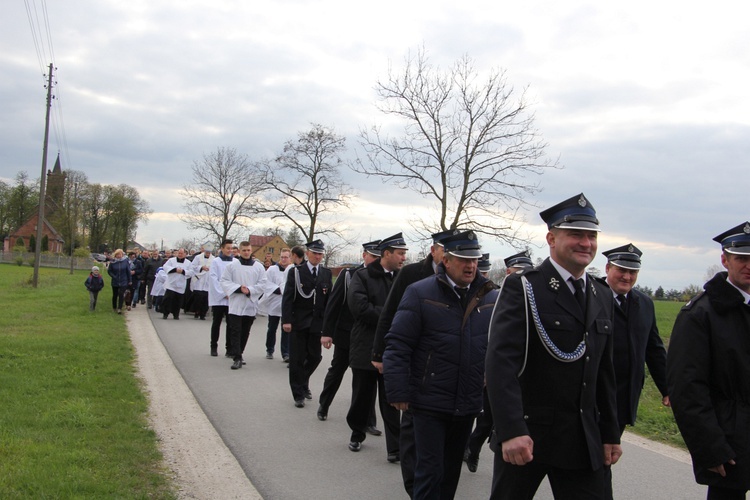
(119, 270)
(435, 349)
(94, 283)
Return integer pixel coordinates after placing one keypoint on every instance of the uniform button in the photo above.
(587, 359)
(581, 410)
(525, 417)
(584, 384)
(586, 334)
(557, 323)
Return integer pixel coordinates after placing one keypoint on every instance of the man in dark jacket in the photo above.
(153, 263)
(433, 363)
(303, 303)
(337, 325)
(368, 290)
(550, 377)
(708, 370)
(409, 274)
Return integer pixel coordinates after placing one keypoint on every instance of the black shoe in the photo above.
(176, 317)
(243, 361)
(227, 354)
(472, 461)
(308, 394)
(299, 403)
(322, 413)
(269, 355)
(214, 353)
(373, 431)
(285, 359)
(355, 446)
(134, 304)
(393, 457)
(166, 316)
(203, 318)
(237, 365)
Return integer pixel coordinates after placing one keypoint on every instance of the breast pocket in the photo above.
(603, 326)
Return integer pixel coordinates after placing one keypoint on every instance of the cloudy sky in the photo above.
(644, 103)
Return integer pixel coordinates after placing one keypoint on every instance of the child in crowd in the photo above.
(94, 283)
(157, 290)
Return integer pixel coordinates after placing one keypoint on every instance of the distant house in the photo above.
(267, 244)
(53, 203)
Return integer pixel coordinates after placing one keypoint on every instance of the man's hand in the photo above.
(378, 365)
(719, 469)
(245, 290)
(518, 450)
(612, 453)
(399, 406)
(326, 342)
(665, 401)
(287, 327)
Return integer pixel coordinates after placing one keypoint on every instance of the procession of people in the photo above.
(550, 363)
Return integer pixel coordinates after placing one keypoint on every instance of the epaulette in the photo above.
(692, 301)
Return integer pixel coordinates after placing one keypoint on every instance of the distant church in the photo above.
(53, 203)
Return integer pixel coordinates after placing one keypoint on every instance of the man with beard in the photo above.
(708, 370)
(367, 293)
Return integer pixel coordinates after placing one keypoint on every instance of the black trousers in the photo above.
(273, 325)
(239, 332)
(218, 313)
(514, 482)
(407, 451)
(719, 493)
(118, 296)
(332, 382)
(483, 427)
(200, 303)
(439, 440)
(304, 358)
(149, 297)
(172, 303)
(365, 383)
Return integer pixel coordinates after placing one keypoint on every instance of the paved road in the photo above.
(288, 454)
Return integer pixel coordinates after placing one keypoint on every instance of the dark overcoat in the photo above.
(338, 320)
(708, 369)
(567, 408)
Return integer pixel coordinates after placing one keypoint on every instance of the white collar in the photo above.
(745, 295)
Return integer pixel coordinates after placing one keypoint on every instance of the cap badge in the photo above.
(631, 249)
(553, 283)
(582, 201)
(746, 229)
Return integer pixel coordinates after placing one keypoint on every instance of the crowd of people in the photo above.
(548, 367)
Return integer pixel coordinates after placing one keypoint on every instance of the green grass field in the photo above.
(73, 417)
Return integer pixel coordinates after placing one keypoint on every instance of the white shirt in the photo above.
(236, 275)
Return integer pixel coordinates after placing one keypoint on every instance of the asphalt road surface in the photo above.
(287, 453)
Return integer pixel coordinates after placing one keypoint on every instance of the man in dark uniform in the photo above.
(550, 377)
(483, 427)
(637, 340)
(302, 306)
(337, 326)
(409, 274)
(368, 290)
(708, 370)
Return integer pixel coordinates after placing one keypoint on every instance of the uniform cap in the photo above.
(627, 257)
(316, 246)
(371, 247)
(395, 241)
(574, 213)
(736, 240)
(522, 259)
(484, 264)
(464, 245)
(437, 238)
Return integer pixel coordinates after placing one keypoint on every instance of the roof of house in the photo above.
(258, 241)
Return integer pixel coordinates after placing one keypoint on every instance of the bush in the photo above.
(19, 260)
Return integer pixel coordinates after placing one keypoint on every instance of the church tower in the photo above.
(55, 191)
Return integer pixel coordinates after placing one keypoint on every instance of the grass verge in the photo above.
(73, 417)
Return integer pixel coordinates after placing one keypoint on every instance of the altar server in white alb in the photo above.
(217, 299)
(178, 270)
(270, 303)
(243, 281)
(157, 289)
(200, 282)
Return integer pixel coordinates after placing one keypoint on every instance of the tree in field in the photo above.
(111, 215)
(67, 220)
(468, 145)
(711, 271)
(303, 185)
(18, 202)
(220, 200)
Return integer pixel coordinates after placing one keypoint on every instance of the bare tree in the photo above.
(303, 184)
(711, 271)
(468, 145)
(221, 197)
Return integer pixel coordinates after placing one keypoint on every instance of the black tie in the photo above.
(623, 303)
(315, 272)
(461, 294)
(580, 293)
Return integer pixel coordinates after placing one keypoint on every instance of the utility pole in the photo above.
(73, 228)
(42, 184)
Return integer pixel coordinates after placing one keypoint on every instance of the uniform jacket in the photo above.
(645, 347)
(177, 282)
(270, 302)
(435, 349)
(367, 292)
(708, 369)
(306, 313)
(568, 408)
(94, 283)
(238, 273)
(407, 275)
(119, 271)
(338, 319)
